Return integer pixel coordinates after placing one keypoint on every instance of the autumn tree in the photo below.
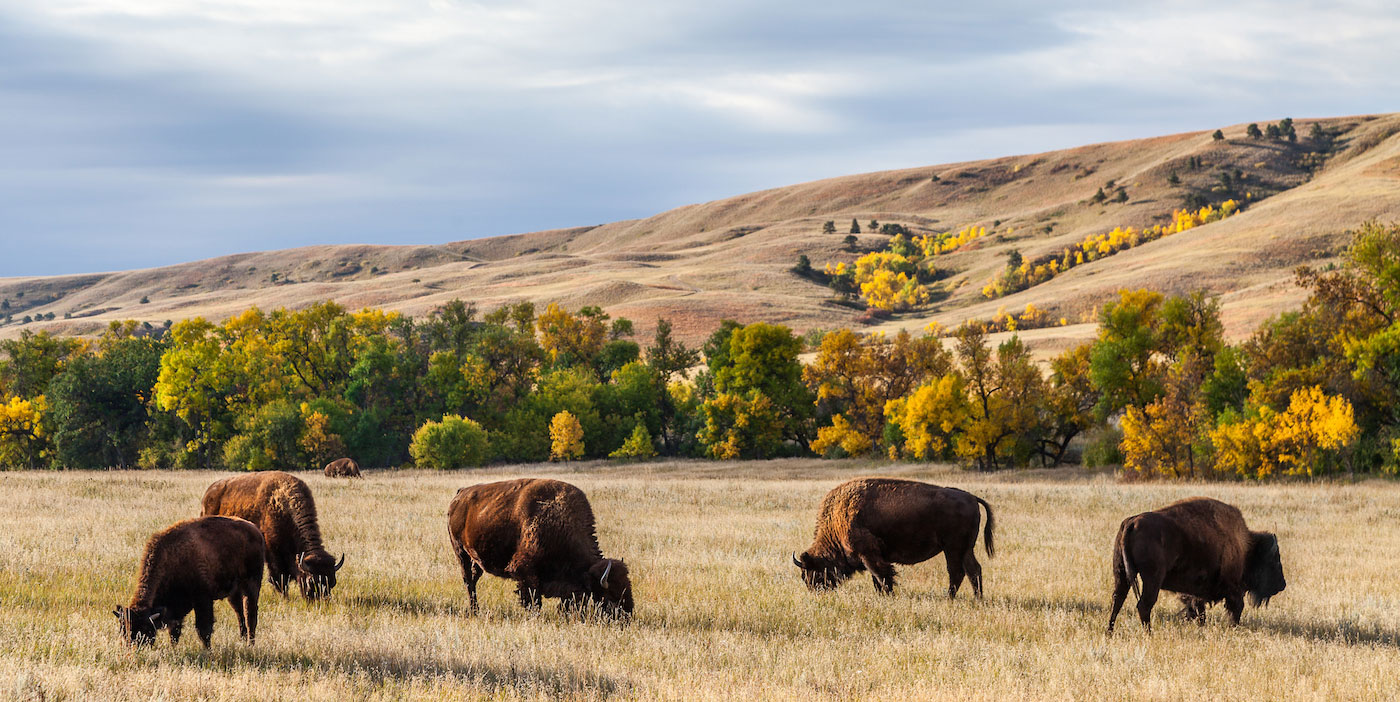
(1003, 387)
(24, 432)
(566, 437)
(1069, 403)
(100, 417)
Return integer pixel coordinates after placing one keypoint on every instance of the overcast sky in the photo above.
(144, 132)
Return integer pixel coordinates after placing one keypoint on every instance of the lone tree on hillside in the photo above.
(1218, 135)
(1099, 197)
(1121, 195)
(1252, 131)
(829, 227)
(855, 227)
(851, 242)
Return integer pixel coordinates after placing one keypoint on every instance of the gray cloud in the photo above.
(144, 132)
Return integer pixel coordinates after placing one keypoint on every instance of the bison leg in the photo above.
(1121, 585)
(881, 574)
(250, 607)
(1151, 587)
(528, 589)
(204, 621)
(175, 627)
(956, 573)
(1234, 604)
(974, 573)
(236, 602)
(471, 573)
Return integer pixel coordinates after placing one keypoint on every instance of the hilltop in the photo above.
(733, 258)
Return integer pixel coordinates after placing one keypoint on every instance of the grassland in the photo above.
(720, 612)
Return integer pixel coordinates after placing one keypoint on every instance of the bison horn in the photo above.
(300, 557)
(340, 562)
(604, 580)
(795, 561)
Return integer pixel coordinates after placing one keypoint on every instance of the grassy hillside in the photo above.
(731, 258)
(721, 613)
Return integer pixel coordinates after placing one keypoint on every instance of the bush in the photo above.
(638, 445)
(451, 443)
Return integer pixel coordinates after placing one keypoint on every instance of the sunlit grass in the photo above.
(720, 612)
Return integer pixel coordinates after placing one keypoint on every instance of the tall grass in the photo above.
(720, 613)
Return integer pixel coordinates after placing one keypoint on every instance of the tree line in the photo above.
(1159, 390)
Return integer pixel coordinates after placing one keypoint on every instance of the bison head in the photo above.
(316, 573)
(821, 573)
(609, 586)
(139, 626)
(1263, 569)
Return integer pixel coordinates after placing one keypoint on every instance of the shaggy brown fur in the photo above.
(869, 524)
(343, 468)
(1197, 547)
(188, 566)
(281, 505)
(539, 533)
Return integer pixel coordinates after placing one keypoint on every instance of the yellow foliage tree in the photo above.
(23, 434)
(566, 437)
(840, 435)
(1297, 441)
(931, 416)
(318, 441)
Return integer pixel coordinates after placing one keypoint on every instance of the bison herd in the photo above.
(540, 534)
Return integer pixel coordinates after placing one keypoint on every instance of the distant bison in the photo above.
(280, 505)
(1197, 547)
(869, 524)
(343, 468)
(188, 566)
(539, 533)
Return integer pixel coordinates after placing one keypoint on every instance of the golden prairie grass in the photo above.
(720, 612)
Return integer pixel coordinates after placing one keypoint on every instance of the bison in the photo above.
(343, 468)
(1199, 548)
(188, 566)
(281, 505)
(539, 533)
(869, 524)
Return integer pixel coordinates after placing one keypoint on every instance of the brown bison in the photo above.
(869, 524)
(188, 566)
(539, 533)
(1199, 548)
(343, 468)
(280, 505)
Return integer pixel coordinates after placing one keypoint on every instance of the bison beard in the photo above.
(187, 567)
(1199, 548)
(539, 533)
(870, 524)
(281, 506)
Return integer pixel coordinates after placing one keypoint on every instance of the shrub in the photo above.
(1103, 448)
(638, 445)
(451, 443)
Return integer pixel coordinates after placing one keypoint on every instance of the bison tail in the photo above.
(989, 530)
(1122, 547)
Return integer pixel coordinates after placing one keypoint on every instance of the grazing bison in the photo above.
(1197, 547)
(869, 524)
(539, 533)
(343, 468)
(280, 505)
(188, 566)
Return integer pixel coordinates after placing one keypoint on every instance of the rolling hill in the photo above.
(732, 258)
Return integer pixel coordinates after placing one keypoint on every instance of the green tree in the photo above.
(855, 226)
(828, 228)
(1252, 131)
(99, 404)
(1218, 135)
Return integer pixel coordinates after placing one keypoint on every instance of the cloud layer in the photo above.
(145, 132)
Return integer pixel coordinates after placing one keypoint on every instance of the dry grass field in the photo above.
(720, 613)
